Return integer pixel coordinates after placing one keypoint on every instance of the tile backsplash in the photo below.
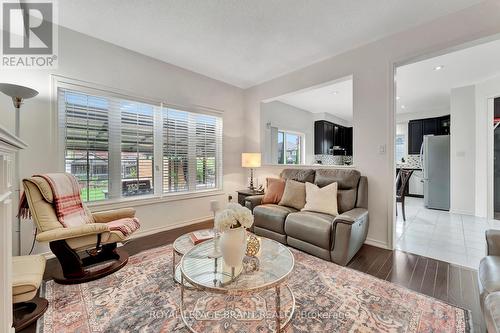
(333, 159)
(411, 161)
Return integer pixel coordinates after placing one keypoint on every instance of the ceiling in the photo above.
(333, 98)
(421, 88)
(247, 42)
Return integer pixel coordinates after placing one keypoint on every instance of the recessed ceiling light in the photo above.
(403, 106)
(398, 98)
(335, 92)
(438, 68)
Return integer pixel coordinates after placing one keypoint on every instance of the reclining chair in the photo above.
(68, 243)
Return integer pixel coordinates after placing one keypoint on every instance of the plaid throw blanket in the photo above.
(67, 201)
(69, 207)
(126, 226)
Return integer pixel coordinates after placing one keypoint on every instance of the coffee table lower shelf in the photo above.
(284, 308)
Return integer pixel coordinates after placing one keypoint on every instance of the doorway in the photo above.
(496, 158)
(443, 136)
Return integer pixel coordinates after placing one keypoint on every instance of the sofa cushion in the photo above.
(321, 200)
(489, 271)
(274, 191)
(311, 227)
(347, 180)
(300, 175)
(294, 195)
(272, 217)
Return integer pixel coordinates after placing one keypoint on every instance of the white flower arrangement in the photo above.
(234, 216)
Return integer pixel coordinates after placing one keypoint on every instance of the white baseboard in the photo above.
(147, 232)
(377, 243)
(462, 212)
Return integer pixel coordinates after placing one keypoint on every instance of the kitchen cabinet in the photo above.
(415, 185)
(444, 125)
(415, 136)
(430, 126)
(348, 140)
(328, 135)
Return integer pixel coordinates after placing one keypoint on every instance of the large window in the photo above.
(121, 148)
(400, 147)
(289, 148)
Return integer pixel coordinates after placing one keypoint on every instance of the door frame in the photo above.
(394, 65)
(490, 214)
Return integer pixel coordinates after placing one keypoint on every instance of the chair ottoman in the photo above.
(27, 274)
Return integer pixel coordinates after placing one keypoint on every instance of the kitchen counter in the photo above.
(407, 166)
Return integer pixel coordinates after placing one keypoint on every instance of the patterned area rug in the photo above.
(142, 297)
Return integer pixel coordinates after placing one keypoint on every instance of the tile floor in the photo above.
(454, 238)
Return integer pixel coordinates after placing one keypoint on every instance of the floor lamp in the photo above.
(18, 95)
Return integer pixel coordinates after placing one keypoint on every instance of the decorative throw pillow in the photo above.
(274, 192)
(294, 195)
(321, 200)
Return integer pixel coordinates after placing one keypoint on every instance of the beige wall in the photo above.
(88, 59)
(373, 83)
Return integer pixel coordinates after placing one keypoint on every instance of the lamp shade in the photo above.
(250, 160)
(13, 90)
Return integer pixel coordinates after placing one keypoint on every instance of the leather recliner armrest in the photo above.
(253, 201)
(73, 232)
(351, 216)
(112, 215)
(493, 242)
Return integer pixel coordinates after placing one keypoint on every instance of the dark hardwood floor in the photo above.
(450, 283)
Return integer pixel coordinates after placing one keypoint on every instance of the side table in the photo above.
(242, 194)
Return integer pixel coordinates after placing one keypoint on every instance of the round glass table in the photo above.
(181, 245)
(255, 294)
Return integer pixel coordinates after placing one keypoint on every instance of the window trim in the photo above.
(61, 82)
(302, 146)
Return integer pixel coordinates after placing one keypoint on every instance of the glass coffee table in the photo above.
(181, 245)
(224, 298)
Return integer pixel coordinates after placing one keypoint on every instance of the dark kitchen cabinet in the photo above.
(429, 126)
(348, 140)
(415, 136)
(328, 135)
(444, 125)
(323, 137)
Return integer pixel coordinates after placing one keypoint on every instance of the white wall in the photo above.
(462, 150)
(331, 118)
(85, 58)
(286, 117)
(373, 84)
(423, 114)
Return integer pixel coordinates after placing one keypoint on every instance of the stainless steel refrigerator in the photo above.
(435, 160)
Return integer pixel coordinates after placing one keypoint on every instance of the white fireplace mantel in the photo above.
(9, 146)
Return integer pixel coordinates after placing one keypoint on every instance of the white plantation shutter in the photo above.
(208, 143)
(85, 121)
(175, 150)
(119, 147)
(192, 151)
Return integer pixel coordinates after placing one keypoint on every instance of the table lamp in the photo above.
(252, 161)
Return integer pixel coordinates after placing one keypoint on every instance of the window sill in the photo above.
(149, 200)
